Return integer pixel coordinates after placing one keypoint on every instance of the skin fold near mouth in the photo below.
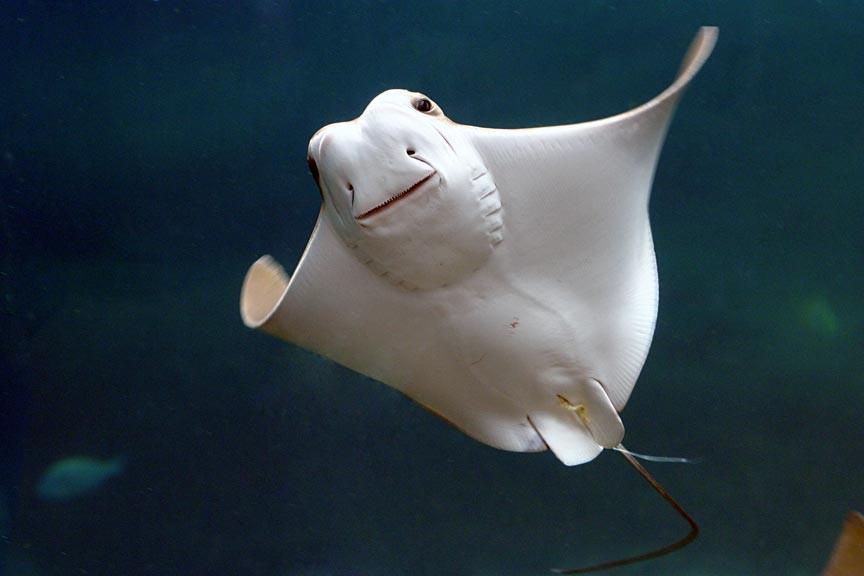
(393, 199)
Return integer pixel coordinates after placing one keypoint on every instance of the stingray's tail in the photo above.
(653, 458)
(690, 537)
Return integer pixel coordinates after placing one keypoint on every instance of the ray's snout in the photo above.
(365, 165)
(313, 157)
(329, 158)
(313, 169)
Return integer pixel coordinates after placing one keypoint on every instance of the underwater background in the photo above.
(150, 151)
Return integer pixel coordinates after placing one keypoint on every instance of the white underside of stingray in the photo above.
(504, 279)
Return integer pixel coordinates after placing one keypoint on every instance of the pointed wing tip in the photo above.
(709, 32)
(697, 54)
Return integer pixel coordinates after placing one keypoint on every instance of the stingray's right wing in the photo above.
(575, 201)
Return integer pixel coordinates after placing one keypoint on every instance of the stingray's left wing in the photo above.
(336, 306)
(575, 208)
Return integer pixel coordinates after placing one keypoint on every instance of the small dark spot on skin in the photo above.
(514, 323)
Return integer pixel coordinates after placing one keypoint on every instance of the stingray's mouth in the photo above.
(393, 199)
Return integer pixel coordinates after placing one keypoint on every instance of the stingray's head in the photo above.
(405, 189)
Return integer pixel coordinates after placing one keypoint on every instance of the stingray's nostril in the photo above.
(410, 151)
(351, 190)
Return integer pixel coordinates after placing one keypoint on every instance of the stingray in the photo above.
(505, 279)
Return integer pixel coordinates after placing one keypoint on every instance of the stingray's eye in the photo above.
(423, 105)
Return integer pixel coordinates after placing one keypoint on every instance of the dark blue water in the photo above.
(150, 151)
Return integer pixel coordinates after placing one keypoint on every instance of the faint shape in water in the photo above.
(77, 476)
(847, 559)
(817, 315)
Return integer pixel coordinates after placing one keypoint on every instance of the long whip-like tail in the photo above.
(677, 545)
